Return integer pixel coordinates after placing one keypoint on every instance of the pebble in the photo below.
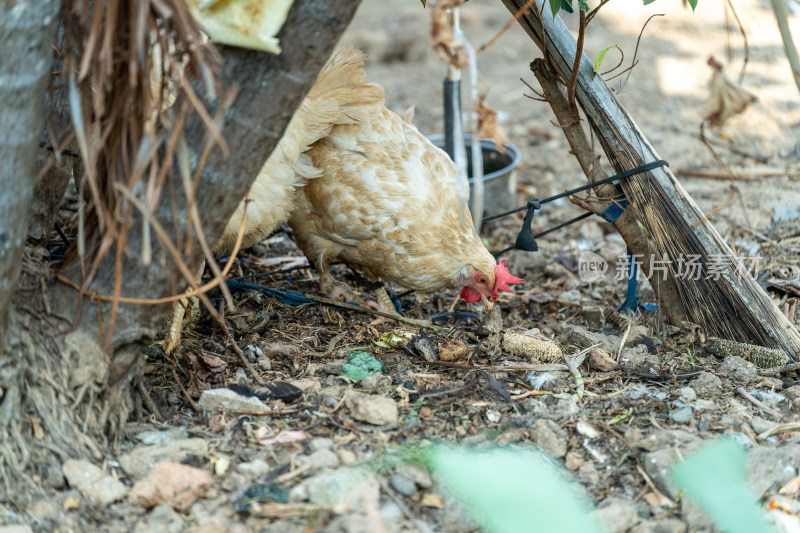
(324, 458)
(321, 443)
(553, 407)
(93, 482)
(375, 381)
(416, 473)
(153, 438)
(573, 460)
(660, 439)
(682, 415)
(139, 462)
(618, 515)
(492, 416)
(707, 384)
(373, 409)
(687, 394)
(17, 528)
(173, 484)
(403, 485)
(255, 468)
(588, 474)
(213, 399)
(583, 338)
(390, 511)
(550, 437)
(738, 370)
(354, 487)
(792, 393)
(769, 467)
(346, 456)
(162, 518)
(668, 525)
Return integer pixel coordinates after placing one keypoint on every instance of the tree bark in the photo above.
(26, 35)
(269, 89)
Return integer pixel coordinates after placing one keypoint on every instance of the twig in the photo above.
(624, 340)
(257, 412)
(638, 40)
(744, 37)
(749, 397)
(576, 65)
(183, 390)
(507, 25)
(498, 368)
(572, 366)
(368, 310)
(652, 485)
(780, 428)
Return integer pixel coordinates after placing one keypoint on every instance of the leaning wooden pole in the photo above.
(715, 291)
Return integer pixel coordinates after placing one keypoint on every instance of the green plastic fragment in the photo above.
(360, 365)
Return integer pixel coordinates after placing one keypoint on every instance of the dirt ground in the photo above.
(329, 456)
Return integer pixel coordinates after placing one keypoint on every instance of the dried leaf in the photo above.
(488, 125)
(725, 99)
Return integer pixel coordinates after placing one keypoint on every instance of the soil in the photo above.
(650, 392)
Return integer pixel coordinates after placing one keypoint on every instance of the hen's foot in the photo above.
(172, 338)
(337, 290)
(384, 305)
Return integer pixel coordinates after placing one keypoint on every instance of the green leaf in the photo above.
(555, 5)
(645, 2)
(360, 365)
(599, 57)
(583, 5)
(693, 3)
(715, 478)
(511, 490)
(423, 2)
(566, 5)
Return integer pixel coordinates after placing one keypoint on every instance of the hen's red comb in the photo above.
(502, 277)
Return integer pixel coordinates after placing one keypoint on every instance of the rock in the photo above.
(347, 457)
(668, 525)
(376, 381)
(792, 393)
(682, 415)
(321, 443)
(416, 473)
(550, 437)
(323, 458)
(492, 416)
(657, 464)
(573, 460)
(93, 482)
(616, 514)
(350, 523)
(403, 485)
(553, 407)
(707, 384)
(390, 511)
(354, 487)
(171, 484)
(687, 394)
(582, 338)
(254, 468)
(760, 425)
(594, 315)
(601, 360)
(587, 473)
(769, 467)
(139, 462)
(162, 519)
(152, 438)
(377, 410)
(213, 399)
(661, 439)
(639, 358)
(738, 370)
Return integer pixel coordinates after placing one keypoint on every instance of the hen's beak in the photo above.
(487, 303)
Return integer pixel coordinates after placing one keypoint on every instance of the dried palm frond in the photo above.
(129, 67)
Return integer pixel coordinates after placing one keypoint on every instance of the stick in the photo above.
(779, 6)
(732, 305)
(749, 397)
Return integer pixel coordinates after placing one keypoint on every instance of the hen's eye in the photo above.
(483, 280)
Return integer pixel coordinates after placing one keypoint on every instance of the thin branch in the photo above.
(576, 65)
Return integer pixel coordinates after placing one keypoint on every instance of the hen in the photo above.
(272, 194)
(387, 203)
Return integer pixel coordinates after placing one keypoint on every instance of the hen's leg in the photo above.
(172, 338)
(336, 290)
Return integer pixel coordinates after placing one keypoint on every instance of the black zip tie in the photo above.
(622, 175)
(526, 240)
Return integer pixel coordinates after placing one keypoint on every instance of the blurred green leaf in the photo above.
(645, 2)
(555, 5)
(423, 2)
(599, 57)
(510, 491)
(693, 3)
(715, 478)
(583, 4)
